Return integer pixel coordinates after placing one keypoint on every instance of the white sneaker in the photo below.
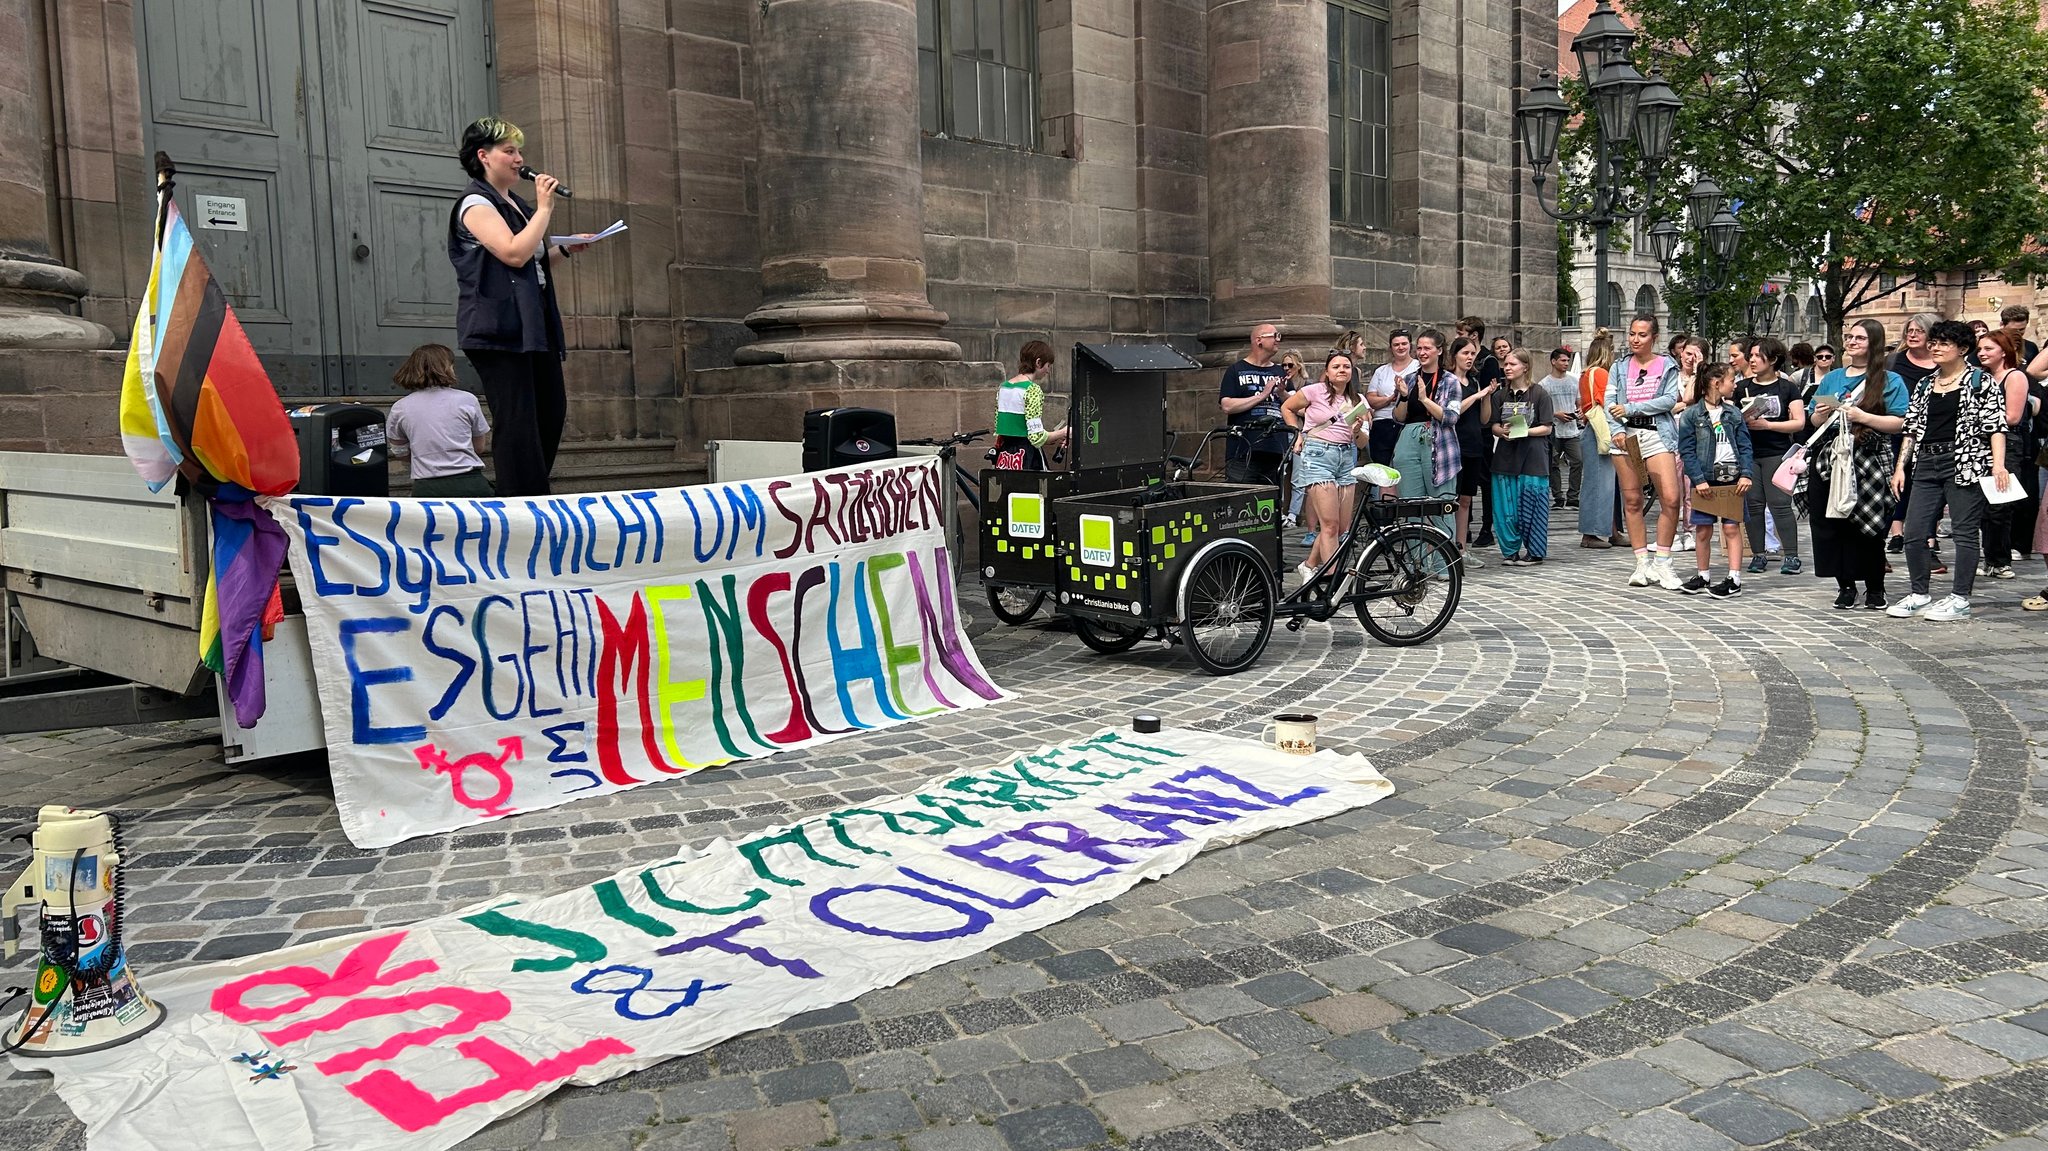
(1684, 544)
(1909, 607)
(1641, 578)
(1666, 578)
(1949, 610)
(1302, 575)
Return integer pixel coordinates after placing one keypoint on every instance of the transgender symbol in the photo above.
(435, 760)
(588, 985)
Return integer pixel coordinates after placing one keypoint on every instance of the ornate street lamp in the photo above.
(1606, 39)
(1632, 112)
(1656, 115)
(1715, 237)
(1704, 202)
(1763, 311)
(1541, 120)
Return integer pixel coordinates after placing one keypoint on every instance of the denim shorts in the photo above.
(1322, 462)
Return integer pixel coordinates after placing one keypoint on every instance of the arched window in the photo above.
(1816, 315)
(1646, 302)
(1614, 302)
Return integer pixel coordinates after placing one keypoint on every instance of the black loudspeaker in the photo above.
(847, 437)
(341, 450)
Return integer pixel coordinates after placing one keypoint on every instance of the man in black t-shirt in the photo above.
(1254, 388)
(1774, 413)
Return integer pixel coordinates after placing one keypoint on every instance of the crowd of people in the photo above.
(1869, 454)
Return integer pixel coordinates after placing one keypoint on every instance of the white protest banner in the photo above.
(411, 1039)
(481, 657)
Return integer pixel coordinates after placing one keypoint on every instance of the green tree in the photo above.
(1904, 137)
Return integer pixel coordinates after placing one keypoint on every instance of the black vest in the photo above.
(501, 308)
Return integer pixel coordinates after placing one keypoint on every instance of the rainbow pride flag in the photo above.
(209, 403)
(195, 401)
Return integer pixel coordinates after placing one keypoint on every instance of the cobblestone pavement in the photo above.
(1663, 874)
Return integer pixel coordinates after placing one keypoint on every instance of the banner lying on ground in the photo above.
(414, 1038)
(478, 658)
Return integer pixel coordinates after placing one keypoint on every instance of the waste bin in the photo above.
(341, 450)
(847, 437)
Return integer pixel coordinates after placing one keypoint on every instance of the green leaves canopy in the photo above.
(1902, 136)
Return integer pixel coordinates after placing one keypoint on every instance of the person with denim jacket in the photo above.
(1715, 450)
(1641, 391)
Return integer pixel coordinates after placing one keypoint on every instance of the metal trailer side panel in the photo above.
(106, 574)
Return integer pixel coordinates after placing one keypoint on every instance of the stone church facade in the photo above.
(866, 203)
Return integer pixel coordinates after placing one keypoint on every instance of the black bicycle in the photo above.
(1398, 571)
(1011, 605)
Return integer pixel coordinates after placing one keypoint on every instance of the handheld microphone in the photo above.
(526, 172)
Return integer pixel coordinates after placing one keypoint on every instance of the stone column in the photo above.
(38, 295)
(841, 199)
(1268, 161)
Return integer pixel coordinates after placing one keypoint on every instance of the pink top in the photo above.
(1327, 403)
(1643, 383)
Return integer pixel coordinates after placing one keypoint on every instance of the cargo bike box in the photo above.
(1122, 554)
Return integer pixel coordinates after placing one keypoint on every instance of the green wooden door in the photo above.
(315, 142)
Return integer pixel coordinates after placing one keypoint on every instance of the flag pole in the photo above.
(166, 179)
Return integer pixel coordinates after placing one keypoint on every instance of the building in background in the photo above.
(829, 203)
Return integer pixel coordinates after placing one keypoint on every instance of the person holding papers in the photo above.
(506, 318)
(1774, 413)
(1955, 438)
(1332, 415)
(1524, 421)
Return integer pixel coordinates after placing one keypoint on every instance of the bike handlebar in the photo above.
(935, 441)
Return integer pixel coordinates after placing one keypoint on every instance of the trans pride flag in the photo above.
(196, 401)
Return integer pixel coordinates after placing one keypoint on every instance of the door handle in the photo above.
(362, 251)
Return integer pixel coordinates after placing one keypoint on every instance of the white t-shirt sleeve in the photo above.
(477, 421)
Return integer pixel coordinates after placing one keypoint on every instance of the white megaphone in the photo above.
(85, 998)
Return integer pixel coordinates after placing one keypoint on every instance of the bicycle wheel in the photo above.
(1014, 605)
(1409, 581)
(1107, 638)
(1226, 608)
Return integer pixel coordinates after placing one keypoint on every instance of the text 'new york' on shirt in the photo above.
(1243, 379)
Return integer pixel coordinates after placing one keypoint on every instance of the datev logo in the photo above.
(1027, 516)
(1098, 541)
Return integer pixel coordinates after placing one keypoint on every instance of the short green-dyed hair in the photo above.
(484, 133)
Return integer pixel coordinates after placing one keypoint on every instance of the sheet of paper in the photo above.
(590, 237)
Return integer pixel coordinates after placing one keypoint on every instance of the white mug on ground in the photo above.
(1292, 733)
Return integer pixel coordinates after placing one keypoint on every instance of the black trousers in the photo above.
(528, 406)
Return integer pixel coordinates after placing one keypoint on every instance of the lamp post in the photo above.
(1630, 108)
(1763, 311)
(1716, 236)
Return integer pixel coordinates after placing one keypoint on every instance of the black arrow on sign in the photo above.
(218, 220)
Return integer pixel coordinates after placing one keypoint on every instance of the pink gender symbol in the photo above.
(435, 760)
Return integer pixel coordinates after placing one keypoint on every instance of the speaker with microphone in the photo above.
(526, 172)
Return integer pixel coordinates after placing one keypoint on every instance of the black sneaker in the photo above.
(1695, 585)
(1486, 541)
(1726, 589)
(1896, 545)
(1845, 599)
(1529, 561)
(1875, 601)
